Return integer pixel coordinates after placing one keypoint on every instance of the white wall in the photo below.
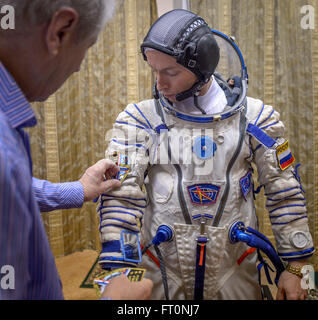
(164, 6)
(167, 5)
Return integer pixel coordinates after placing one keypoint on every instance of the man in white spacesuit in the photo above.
(192, 147)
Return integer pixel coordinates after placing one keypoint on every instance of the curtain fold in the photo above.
(73, 123)
(282, 63)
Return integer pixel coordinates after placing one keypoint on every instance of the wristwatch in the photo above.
(294, 270)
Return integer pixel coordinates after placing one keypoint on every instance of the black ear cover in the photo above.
(188, 57)
(200, 53)
(208, 53)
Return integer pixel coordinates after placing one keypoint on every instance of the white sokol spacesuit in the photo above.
(197, 172)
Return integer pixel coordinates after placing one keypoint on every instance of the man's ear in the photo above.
(61, 29)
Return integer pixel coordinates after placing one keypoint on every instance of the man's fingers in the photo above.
(121, 288)
(107, 164)
(297, 295)
(303, 296)
(110, 184)
(148, 285)
(280, 294)
(108, 167)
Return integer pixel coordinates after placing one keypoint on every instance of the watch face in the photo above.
(299, 239)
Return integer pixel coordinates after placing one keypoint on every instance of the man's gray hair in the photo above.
(94, 14)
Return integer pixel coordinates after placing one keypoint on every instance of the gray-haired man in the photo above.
(47, 45)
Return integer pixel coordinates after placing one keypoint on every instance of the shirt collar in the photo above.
(13, 103)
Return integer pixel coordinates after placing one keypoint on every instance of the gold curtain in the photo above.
(72, 124)
(282, 63)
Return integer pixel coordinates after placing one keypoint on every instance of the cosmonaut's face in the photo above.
(172, 78)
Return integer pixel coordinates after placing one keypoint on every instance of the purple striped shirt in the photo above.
(53, 196)
(27, 265)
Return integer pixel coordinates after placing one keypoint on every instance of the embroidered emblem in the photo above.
(246, 184)
(203, 194)
(122, 161)
(204, 147)
(284, 156)
(122, 174)
(103, 279)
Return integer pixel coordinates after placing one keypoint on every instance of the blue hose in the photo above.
(164, 234)
(255, 239)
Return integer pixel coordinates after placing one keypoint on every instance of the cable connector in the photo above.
(164, 234)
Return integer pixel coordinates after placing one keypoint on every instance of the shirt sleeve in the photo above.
(53, 196)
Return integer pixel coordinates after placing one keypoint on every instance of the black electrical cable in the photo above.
(163, 272)
(161, 266)
(196, 103)
(146, 248)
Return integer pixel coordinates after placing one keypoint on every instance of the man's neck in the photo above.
(206, 87)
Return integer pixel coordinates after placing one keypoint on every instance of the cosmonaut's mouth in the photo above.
(169, 96)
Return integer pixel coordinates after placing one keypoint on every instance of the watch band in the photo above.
(294, 270)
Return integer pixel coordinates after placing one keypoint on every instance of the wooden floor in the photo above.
(73, 269)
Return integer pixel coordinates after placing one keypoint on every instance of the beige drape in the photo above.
(282, 63)
(70, 135)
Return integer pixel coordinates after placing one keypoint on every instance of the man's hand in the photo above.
(121, 288)
(98, 179)
(289, 285)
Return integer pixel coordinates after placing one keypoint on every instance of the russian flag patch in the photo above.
(284, 156)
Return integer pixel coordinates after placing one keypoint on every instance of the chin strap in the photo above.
(196, 104)
(195, 89)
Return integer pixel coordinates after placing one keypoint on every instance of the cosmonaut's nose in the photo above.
(162, 84)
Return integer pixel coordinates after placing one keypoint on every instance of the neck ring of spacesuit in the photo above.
(231, 65)
(205, 52)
